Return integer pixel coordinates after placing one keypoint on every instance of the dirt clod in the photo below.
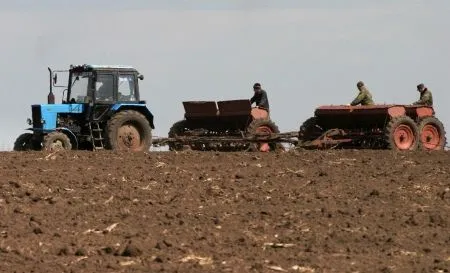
(131, 251)
(80, 252)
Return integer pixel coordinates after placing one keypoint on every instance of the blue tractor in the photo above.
(100, 109)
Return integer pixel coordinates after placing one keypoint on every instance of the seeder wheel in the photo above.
(263, 126)
(309, 131)
(432, 134)
(402, 134)
(177, 129)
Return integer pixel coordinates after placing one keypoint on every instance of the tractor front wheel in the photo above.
(402, 134)
(56, 141)
(263, 126)
(129, 130)
(432, 134)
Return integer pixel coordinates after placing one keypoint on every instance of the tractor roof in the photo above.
(91, 67)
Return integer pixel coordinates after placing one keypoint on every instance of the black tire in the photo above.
(255, 126)
(402, 134)
(309, 129)
(129, 130)
(56, 141)
(431, 134)
(23, 142)
(177, 129)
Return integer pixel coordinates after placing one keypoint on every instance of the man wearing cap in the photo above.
(425, 96)
(364, 97)
(260, 97)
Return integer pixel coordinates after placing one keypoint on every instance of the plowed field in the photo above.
(303, 211)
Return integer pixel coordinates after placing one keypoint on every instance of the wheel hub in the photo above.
(403, 137)
(430, 137)
(129, 137)
(264, 147)
(57, 145)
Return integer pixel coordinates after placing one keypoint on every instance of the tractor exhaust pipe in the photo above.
(51, 96)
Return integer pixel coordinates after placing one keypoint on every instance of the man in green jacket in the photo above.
(425, 96)
(364, 97)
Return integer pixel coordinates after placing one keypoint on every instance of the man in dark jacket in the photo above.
(425, 96)
(260, 97)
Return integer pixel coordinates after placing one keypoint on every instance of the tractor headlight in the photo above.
(29, 121)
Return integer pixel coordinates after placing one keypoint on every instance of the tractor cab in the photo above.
(100, 87)
(101, 84)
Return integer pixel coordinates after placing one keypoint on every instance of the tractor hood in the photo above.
(45, 115)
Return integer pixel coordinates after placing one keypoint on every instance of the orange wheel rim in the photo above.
(430, 137)
(403, 137)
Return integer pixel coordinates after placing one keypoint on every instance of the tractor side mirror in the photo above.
(55, 79)
(141, 77)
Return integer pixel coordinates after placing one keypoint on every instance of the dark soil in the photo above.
(312, 211)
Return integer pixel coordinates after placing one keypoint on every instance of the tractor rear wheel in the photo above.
(259, 126)
(23, 142)
(129, 130)
(56, 141)
(402, 134)
(432, 134)
(177, 129)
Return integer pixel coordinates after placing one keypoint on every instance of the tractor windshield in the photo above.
(79, 89)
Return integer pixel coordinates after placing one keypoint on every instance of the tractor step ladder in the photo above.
(96, 135)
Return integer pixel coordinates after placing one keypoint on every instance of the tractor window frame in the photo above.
(113, 94)
(135, 93)
(71, 84)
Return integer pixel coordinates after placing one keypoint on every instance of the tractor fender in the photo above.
(141, 108)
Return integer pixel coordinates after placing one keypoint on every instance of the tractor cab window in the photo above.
(79, 88)
(104, 88)
(126, 88)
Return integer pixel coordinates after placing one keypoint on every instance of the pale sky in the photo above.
(304, 53)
